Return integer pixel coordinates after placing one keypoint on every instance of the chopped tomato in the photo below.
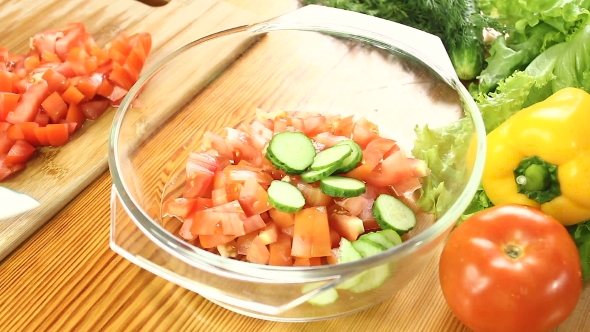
(92, 110)
(269, 233)
(8, 102)
(178, 207)
(252, 223)
(258, 252)
(329, 139)
(5, 80)
(243, 242)
(55, 107)
(311, 237)
(394, 168)
(349, 227)
(28, 105)
(282, 219)
(364, 132)
(19, 153)
(42, 137)
(7, 170)
(354, 205)
(72, 95)
(75, 115)
(280, 251)
(211, 241)
(25, 130)
(253, 198)
(58, 134)
(5, 143)
(313, 195)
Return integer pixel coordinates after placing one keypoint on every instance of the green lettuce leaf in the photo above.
(572, 68)
(581, 235)
(515, 53)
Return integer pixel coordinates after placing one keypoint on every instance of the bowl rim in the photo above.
(256, 272)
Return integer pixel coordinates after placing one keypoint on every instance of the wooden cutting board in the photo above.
(56, 175)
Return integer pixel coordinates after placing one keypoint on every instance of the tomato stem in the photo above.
(512, 251)
(537, 179)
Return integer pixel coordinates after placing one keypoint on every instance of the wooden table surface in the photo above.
(66, 278)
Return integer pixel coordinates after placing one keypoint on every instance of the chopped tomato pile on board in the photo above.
(226, 209)
(65, 79)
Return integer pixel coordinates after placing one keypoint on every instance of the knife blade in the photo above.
(13, 203)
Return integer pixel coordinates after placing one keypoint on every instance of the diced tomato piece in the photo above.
(72, 95)
(371, 225)
(243, 242)
(32, 62)
(92, 110)
(105, 88)
(362, 172)
(282, 219)
(19, 153)
(406, 186)
(7, 170)
(211, 241)
(5, 143)
(252, 223)
(313, 195)
(28, 105)
(4, 126)
(328, 139)
(8, 102)
(354, 205)
(55, 107)
(280, 125)
(253, 198)
(241, 174)
(42, 118)
(348, 227)
(56, 81)
(258, 252)
(185, 230)
(207, 222)
(230, 207)
(5, 80)
(301, 261)
(26, 131)
(134, 63)
(199, 182)
(364, 132)
(42, 137)
(75, 115)
(269, 168)
(288, 231)
(311, 237)
(232, 224)
(141, 43)
(212, 140)
(342, 126)
(88, 86)
(394, 168)
(313, 125)
(419, 167)
(49, 57)
(117, 94)
(334, 238)
(121, 77)
(72, 37)
(269, 233)
(218, 196)
(58, 134)
(333, 258)
(178, 207)
(280, 251)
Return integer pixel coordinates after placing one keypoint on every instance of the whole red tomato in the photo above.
(511, 268)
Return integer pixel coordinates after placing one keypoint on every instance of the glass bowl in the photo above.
(314, 59)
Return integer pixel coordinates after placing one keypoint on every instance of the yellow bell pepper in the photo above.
(541, 157)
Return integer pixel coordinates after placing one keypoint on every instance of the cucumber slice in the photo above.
(391, 236)
(293, 152)
(347, 253)
(368, 248)
(330, 157)
(377, 238)
(391, 213)
(285, 197)
(372, 279)
(313, 176)
(339, 186)
(352, 161)
(328, 296)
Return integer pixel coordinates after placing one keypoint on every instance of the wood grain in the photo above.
(65, 278)
(57, 175)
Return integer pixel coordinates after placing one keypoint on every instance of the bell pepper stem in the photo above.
(537, 179)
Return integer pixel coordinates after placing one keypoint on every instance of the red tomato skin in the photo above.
(489, 291)
(28, 106)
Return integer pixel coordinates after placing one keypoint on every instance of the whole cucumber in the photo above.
(468, 56)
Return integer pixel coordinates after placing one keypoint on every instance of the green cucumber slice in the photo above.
(347, 253)
(372, 279)
(340, 186)
(293, 152)
(377, 238)
(330, 157)
(313, 176)
(285, 197)
(326, 297)
(368, 248)
(391, 213)
(391, 236)
(352, 161)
